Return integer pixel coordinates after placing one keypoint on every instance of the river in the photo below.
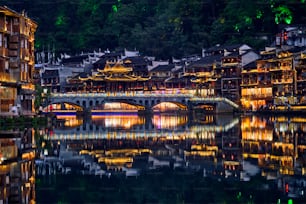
(173, 158)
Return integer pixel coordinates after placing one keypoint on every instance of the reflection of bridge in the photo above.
(146, 100)
(92, 131)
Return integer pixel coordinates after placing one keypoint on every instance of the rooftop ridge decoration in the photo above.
(118, 72)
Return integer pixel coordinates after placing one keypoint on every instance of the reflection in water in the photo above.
(227, 147)
(169, 121)
(17, 169)
(118, 121)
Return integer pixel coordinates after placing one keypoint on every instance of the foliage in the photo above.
(38, 96)
(161, 28)
(21, 122)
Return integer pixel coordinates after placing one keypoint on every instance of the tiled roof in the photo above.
(208, 60)
(136, 60)
(163, 68)
(50, 73)
(224, 47)
(75, 59)
(250, 65)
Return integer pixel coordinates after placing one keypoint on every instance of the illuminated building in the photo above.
(218, 73)
(114, 77)
(282, 75)
(256, 85)
(235, 57)
(16, 61)
(300, 74)
(177, 81)
(291, 36)
(272, 81)
(50, 80)
(202, 73)
(17, 173)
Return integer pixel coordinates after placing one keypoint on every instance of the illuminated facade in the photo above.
(256, 85)
(230, 76)
(16, 60)
(202, 73)
(282, 75)
(300, 74)
(50, 80)
(114, 77)
(159, 74)
(17, 167)
(272, 81)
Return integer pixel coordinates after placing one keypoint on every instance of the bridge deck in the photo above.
(57, 97)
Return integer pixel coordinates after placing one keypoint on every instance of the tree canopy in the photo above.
(163, 28)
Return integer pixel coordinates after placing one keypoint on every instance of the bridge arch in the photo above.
(65, 105)
(168, 106)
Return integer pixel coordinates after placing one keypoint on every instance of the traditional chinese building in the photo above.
(50, 80)
(203, 75)
(272, 81)
(282, 75)
(256, 86)
(235, 57)
(16, 60)
(159, 74)
(114, 77)
(300, 74)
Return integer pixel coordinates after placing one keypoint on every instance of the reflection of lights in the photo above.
(205, 132)
(169, 121)
(4, 77)
(124, 121)
(1, 159)
(72, 121)
(255, 129)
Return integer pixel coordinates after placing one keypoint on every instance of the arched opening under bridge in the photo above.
(169, 107)
(62, 107)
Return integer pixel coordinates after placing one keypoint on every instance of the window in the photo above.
(26, 44)
(4, 41)
(22, 44)
(6, 64)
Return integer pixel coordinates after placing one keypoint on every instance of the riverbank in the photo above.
(22, 121)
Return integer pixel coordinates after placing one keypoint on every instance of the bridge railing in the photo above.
(191, 97)
(68, 95)
(216, 99)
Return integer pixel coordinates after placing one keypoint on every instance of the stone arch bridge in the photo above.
(146, 101)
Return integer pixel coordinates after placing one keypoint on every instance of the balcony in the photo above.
(282, 81)
(13, 53)
(3, 52)
(13, 64)
(274, 69)
(13, 46)
(24, 54)
(281, 68)
(250, 83)
(16, 28)
(2, 27)
(14, 39)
